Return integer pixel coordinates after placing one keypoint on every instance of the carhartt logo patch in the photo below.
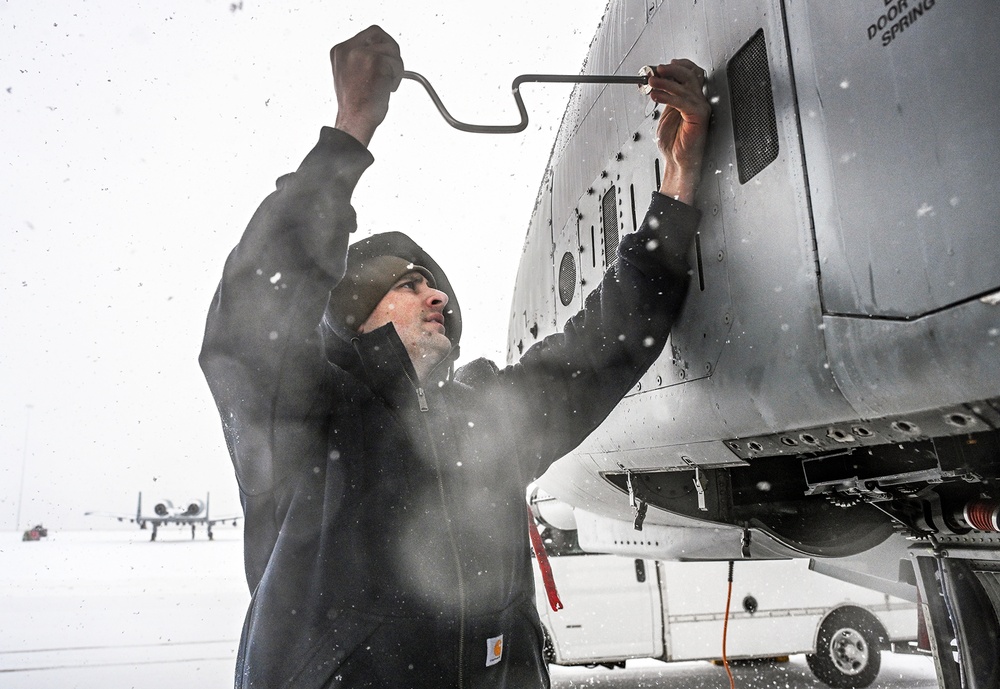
(494, 650)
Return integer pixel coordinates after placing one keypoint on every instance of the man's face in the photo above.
(417, 311)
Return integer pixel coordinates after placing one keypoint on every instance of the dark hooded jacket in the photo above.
(385, 537)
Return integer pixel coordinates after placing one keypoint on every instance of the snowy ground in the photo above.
(898, 672)
(110, 610)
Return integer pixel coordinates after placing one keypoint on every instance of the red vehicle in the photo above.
(35, 533)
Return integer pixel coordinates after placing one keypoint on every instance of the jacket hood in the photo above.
(399, 245)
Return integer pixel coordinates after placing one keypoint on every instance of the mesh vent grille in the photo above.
(567, 279)
(609, 213)
(755, 128)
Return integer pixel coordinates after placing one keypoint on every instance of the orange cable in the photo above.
(725, 628)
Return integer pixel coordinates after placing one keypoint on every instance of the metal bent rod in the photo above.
(640, 80)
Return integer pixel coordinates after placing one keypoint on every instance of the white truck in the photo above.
(617, 607)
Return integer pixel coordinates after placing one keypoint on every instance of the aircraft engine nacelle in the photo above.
(194, 509)
(163, 508)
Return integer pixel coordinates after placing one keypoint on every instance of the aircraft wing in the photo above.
(114, 515)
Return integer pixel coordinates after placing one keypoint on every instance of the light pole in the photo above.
(24, 464)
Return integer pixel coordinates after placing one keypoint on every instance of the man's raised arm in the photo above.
(261, 354)
(366, 69)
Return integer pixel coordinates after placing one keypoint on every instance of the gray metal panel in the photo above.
(838, 435)
(564, 241)
(891, 367)
(771, 372)
(620, 28)
(593, 258)
(893, 588)
(601, 117)
(584, 156)
(903, 146)
(696, 343)
(681, 31)
(672, 456)
(534, 287)
(751, 346)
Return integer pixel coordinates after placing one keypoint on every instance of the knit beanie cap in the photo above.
(374, 265)
(363, 286)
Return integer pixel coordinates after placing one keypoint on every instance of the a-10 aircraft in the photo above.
(832, 388)
(165, 513)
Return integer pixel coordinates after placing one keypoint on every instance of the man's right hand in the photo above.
(683, 127)
(366, 69)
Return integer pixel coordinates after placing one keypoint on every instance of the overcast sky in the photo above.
(138, 138)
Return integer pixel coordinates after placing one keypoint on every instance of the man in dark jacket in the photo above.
(385, 537)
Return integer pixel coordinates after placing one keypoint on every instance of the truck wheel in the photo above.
(848, 650)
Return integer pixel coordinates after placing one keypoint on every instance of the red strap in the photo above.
(544, 567)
